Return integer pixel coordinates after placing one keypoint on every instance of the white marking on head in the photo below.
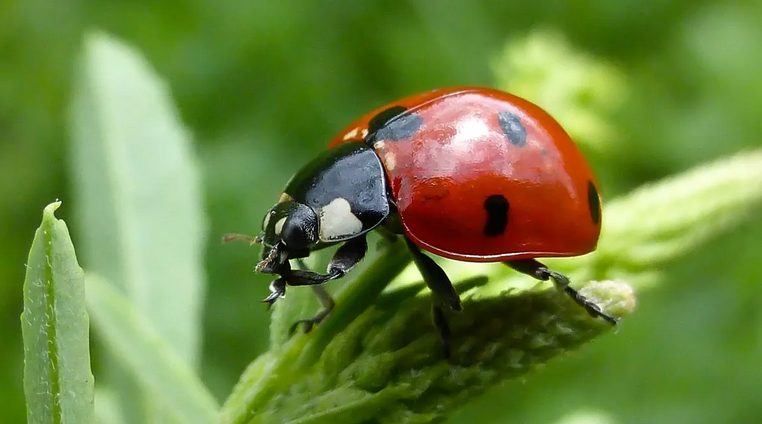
(337, 220)
(352, 134)
(279, 226)
(379, 145)
(267, 219)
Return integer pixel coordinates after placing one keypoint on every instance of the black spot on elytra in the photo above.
(512, 128)
(593, 202)
(497, 215)
(393, 124)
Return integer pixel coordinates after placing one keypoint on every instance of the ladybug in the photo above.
(467, 173)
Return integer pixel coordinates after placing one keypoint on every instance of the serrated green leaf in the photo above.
(386, 365)
(58, 382)
(163, 374)
(139, 201)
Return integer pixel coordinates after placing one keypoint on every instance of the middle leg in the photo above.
(541, 272)
(443, 292)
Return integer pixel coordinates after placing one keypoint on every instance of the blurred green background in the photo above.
(264, 85)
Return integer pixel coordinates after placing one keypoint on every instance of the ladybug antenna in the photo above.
(227, 238)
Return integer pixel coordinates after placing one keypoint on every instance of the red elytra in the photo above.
(455, 150)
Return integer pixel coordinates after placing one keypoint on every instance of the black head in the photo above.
(288, 231)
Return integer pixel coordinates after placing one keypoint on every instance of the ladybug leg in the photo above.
(441, 289)
(346, 257)
(437, 316)
(326, 300)
(539, 271)
(277, 290)
(387, 238)
(435, 278)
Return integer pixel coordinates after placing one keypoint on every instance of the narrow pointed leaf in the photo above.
(57, 378)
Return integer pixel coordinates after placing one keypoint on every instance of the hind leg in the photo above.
(539, 271)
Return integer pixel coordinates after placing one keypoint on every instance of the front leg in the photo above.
(539, 271)
(346, 257)
(277, 290)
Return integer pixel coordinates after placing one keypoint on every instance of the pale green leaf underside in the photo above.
(139, 203)
(160, 372)
(138, 188)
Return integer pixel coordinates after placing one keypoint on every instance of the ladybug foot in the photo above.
(541, 272)
(595, 311)
(328, 304)
(440, 322)
(307, 324)
(310, 323)
(277, 291)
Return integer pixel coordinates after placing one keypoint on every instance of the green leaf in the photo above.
(386, 365)
(139, 201)
(57, 378)
(107, 410)
(158, 368)
(359, 363)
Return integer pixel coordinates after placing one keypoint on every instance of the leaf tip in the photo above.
(93, 36)
(615, 297)
(49, 212)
